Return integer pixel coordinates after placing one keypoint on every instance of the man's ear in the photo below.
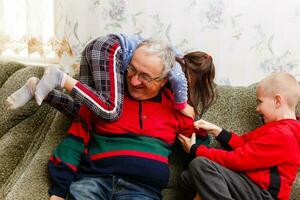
(278, 100)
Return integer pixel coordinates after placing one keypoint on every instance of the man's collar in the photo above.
(156, 99)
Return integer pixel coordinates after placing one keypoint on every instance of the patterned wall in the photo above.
(248, 39)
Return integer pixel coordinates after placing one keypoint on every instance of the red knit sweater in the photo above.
(269, 155)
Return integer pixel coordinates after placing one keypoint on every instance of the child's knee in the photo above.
(199, 163)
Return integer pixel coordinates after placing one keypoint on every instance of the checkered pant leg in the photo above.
(63, 103)
(101, 86)
(101, 81)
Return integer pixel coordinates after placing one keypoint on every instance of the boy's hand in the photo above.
(188, 111)
(54, 197)
(209, 127)
(187, 142)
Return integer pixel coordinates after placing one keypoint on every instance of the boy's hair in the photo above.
(282, 83)
(163, 50)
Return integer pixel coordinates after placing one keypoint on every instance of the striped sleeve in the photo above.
(66, 157)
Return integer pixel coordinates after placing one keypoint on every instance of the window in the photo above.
(27, 30)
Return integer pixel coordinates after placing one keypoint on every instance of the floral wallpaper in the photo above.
(247, 39)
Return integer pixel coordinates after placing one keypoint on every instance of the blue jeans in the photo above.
(109, 188)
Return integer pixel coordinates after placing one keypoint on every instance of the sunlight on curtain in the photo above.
(27, 30)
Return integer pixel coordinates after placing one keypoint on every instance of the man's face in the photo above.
(144, 75)
(265, 105)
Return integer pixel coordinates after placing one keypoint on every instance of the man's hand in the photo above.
(54, 197)
(188, 111)
(209, 127)
(187, 142)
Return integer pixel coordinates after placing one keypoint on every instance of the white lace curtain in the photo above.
(247, 39)
(27, 29)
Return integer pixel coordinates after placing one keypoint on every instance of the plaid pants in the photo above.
(101, 81)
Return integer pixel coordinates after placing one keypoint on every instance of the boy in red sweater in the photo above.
(261, 164)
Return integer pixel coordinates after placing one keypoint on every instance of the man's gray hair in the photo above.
(163, 50)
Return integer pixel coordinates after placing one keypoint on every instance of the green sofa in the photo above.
(29, 134)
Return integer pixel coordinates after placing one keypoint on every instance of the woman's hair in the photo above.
(200, 72)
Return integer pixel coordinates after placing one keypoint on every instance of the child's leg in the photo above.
(55, 78)
(22, 95)
(52, 78)
(64, 103)
(102, 75)
(101, 85)
(213, 181)
(187, 185)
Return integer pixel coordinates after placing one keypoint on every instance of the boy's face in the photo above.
(265, 105)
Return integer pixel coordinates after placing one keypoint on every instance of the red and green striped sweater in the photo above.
(135, 147)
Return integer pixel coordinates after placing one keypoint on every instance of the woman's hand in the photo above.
(188, 111)
(209, 127)
(197, 197)
(54, 197)
(187, 142)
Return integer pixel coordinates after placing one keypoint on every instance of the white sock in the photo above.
(23, 95)
(52, 78)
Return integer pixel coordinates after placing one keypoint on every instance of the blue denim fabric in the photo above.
(109, 188)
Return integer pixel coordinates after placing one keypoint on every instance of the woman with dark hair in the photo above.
(199, 70)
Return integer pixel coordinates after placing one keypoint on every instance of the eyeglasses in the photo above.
(143, 77)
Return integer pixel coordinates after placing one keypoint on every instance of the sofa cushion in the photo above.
(23, 130)
(7, 69)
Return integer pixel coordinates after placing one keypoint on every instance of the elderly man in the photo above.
(126, 158)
